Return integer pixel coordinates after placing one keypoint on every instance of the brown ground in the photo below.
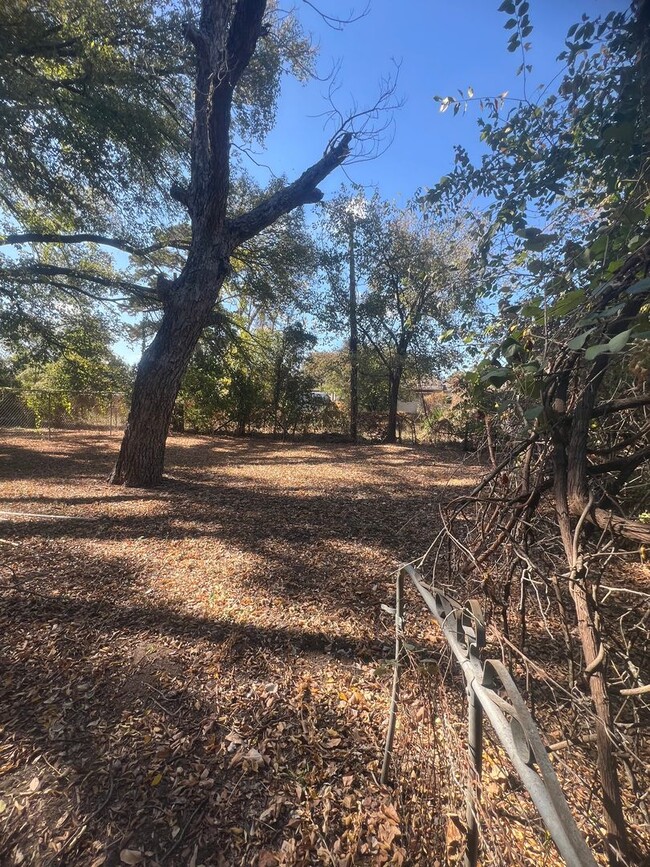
(190, 675)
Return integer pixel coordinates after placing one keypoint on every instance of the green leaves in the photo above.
(535, 239)
(563, 306)
(85, 104)
(616, 344)
(576, 343)
(621, 132)
(640, 287)
(566, 304)
(497, 376)
(533, 412)
(539, 242)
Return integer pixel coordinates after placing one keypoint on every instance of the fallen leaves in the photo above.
(131, 856)
(192, 669)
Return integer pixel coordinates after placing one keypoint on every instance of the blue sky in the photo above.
(441, 46)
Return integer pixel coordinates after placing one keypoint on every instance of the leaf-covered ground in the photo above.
(190, 675)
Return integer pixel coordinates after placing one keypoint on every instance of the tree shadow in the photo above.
(112, 681)
(134, 718)
(333, 549)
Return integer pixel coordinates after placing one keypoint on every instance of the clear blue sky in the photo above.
(442, 46)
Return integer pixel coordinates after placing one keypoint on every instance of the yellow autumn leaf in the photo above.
(156, 780)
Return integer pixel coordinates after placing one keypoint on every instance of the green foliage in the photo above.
(250, 381)
(81, 379)
(566, 177)
(329, 370)
(292, 387)
(566, 167)
(91, 106)
(414, 295)
(271, 273)
(96, 108)
(40, 302)
(285, 48)
(417, 289)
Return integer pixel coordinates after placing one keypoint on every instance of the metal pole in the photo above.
(510, 718)
(354, 338)
(399, 627)
(475, 749)
(474, 629)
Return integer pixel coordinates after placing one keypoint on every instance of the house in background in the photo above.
(428, 394)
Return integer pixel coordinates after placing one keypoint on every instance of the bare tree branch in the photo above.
(618, 405)
(92, 238)
(334, 21)
(302, 191)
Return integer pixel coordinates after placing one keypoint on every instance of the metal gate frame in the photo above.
(464, 631)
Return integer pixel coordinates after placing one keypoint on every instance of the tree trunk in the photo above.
(607, 764)
(394, 378)
(277, 391)
(141, 460)
(224, 43)
(354, 343)
(489, 434)
(592, 652)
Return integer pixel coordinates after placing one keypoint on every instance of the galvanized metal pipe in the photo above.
(463, 630)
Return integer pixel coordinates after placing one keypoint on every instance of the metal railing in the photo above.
(464, 631)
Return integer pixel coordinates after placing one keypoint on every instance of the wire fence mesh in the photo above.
(42, 411)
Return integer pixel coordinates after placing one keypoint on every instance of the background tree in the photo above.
(330, 373)
(291, 385)
(343, 216)
(417, 287)
(224, 43)
(81, 378)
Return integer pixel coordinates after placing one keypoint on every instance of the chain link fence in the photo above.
(40, 411)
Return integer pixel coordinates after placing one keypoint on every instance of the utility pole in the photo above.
(354, 337)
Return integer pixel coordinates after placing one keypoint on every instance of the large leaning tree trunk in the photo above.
(224, 43)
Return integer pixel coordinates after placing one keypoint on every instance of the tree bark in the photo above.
(607, 764)
(565, 494)
(394, 379)
(141, 459)
(489, 435)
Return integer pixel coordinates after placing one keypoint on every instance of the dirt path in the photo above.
(190, 675)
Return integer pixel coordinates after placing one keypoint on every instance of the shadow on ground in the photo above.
(191, 672)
